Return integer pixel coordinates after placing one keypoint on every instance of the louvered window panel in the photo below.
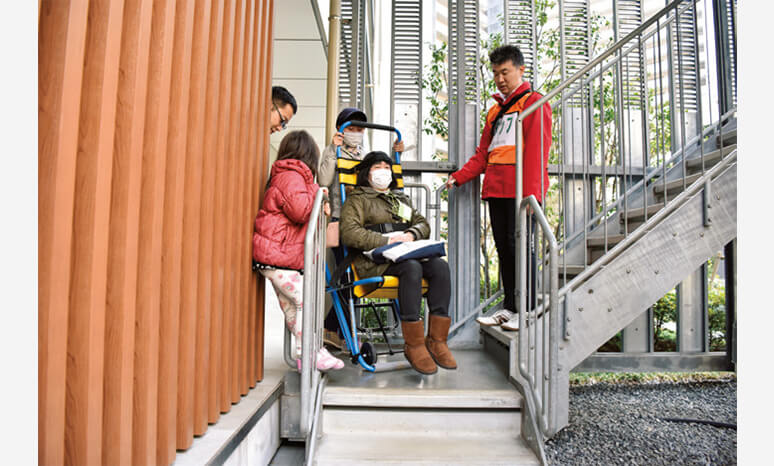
(628, 18)
(684, 50)
(406, 73)
(470, 44)
(352, 53)
(575, 34)
(731, 12)
(406, 50)
(520, 31)
(469, 49)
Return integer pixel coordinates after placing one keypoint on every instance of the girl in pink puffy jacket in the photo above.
(280, 227)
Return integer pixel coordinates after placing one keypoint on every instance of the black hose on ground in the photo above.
(700, 421)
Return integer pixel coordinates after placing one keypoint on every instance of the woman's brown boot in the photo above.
(415, 350)
(436, 342)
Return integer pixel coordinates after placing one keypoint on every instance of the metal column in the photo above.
(627, 16)
(730, 263)
(464, 201)
(692, 325)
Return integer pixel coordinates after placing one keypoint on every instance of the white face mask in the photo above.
(380, 178)
(353, 138)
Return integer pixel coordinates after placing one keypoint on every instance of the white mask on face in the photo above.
(353, 138)
(380, 178)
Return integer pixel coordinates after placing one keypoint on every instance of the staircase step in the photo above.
(478, 382)
(421, 421)
(500, 334)
(710, 158)
(427, 448)
(676, 185)
(599, 242)
(634, 215)
(506, 397)
(571, 269)
(729, 137)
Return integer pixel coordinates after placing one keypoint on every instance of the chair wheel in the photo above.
(368, 352)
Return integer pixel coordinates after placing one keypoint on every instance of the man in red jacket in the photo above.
(496, 157)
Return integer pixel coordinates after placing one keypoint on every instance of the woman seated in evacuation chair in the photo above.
(372, 205)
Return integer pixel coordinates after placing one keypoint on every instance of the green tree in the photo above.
(665, 311)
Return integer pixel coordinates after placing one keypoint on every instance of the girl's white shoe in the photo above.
(324, 361)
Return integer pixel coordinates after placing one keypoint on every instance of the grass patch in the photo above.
(632, 378)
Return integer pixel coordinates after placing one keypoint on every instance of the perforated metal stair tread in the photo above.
(710, 158)
(676, 185)
(637, 214)
(599, 242)
(729, 136)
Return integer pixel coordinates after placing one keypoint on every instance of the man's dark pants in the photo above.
(502, 215)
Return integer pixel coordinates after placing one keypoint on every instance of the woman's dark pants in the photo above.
(410, 273)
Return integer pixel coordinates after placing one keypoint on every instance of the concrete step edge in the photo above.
(422, 449)
(427, 398)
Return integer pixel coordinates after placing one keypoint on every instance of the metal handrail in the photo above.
(657, 217)
(535, 342)
(311, 439)
(314, 300)
(437, 206)
(649, 175)
(426, 189)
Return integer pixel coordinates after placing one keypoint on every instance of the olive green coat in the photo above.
(364, 207)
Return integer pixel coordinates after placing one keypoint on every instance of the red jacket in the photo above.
(280, 225)
(499, 179)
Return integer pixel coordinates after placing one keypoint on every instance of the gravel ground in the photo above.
(620, 424)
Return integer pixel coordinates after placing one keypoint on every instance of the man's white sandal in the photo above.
(512, 324)
(498, 318)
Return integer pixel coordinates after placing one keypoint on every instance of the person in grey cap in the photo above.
(351, 142)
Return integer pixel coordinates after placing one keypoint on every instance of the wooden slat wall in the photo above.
(153, 152)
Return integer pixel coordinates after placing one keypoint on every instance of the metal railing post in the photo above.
(314, 297)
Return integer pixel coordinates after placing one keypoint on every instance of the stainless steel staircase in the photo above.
(657, 199)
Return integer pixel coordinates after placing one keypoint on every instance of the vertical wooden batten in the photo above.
(147, 337)
(198, 208)
(86, 327)
(123, 248)
(62, 43)
(215, 142)
(222, 294)
(231, 306)
(243, 223)
(174, 319)
(189, 312)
